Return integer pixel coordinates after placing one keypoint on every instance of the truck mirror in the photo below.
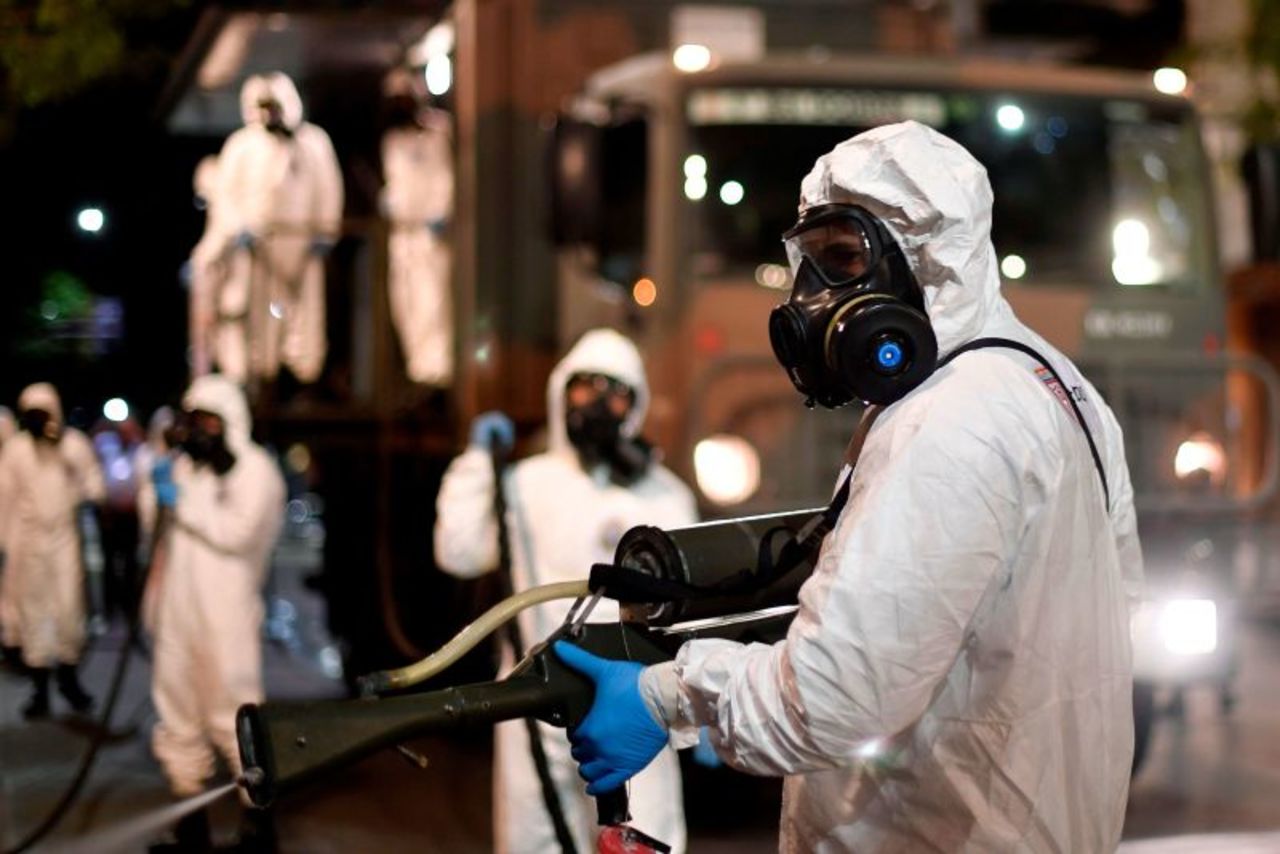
(1260, 166)
(575, 182)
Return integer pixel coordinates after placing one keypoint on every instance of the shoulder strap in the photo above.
(1010, 344)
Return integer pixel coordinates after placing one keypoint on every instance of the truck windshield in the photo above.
(1089, 191)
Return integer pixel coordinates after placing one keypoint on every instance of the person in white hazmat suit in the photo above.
(278, 206)
(46, 472)
(566, 509)
(417, 164)
(225, 498)
(958, 676)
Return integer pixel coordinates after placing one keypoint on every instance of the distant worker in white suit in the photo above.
(417, 163)
(46, 472)
(279, 208)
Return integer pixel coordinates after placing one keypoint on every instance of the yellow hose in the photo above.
(465, 640)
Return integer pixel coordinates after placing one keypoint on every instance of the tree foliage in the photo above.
(51, 49)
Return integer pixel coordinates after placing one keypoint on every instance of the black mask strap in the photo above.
(1010, 344)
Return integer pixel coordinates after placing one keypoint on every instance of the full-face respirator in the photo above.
(854, 327)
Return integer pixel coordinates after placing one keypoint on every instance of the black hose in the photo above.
(60, 810)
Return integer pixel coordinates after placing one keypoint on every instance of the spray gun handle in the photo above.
(613, 808)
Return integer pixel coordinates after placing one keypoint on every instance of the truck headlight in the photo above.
(1189, 626)
(727, 468)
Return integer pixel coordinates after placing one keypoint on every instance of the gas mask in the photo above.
(273, 116)
(204, 445)
(595, 408)
(854, 327)
(39, 424)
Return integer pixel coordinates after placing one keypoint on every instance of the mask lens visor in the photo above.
(839, 248)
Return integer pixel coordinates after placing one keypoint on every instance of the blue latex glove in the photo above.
(246, 239)
(490, 429)
(619, 737)
(704, 753)
(320, 246)
(162, 480)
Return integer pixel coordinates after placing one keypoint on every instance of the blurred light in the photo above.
(691, 58)
(695, 166)
(1189, 626)
(1170, 81)
(277, 310)
(1057, 126)
(773, 276)
(120, 470)
(871, 749)
(296, 510)
(731, 192)
(1043, 143)
(298, 458)
(1010, 117)
(1133, 264)
(278, 23)
(483, 352)
(1013, 267)
(91, 220)
(49, 310)
(727, 469)
(438, 41)
(1201, 453)
(644, 292)
(439, 74)
(695, 189)
(115, 409)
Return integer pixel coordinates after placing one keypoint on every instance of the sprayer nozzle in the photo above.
(373, 684)
(251, 778)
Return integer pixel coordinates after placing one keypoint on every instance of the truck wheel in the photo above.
(1144, 713)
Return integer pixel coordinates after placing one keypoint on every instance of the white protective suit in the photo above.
(208, 602)
(285, 190)
(42, 485)
(417, 163)
(958, 675)
(561, 520)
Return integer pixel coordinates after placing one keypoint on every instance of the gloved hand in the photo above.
(620, 736)
(320, 246)
(162, 480)
(493, 429)
(704, 753)
(245, 239)
(438, 227)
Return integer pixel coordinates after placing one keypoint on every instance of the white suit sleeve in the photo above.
(1124, 518)
(882, 619)
(86, 470)
(329, 190)
(248, 515)
(466, 533)
(8, 461)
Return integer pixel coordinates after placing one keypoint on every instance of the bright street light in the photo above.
(91, 220)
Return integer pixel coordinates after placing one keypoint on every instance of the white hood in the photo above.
(42, 396)
(935, 199)
(274, 85)
(600, 351)
(219, 395)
